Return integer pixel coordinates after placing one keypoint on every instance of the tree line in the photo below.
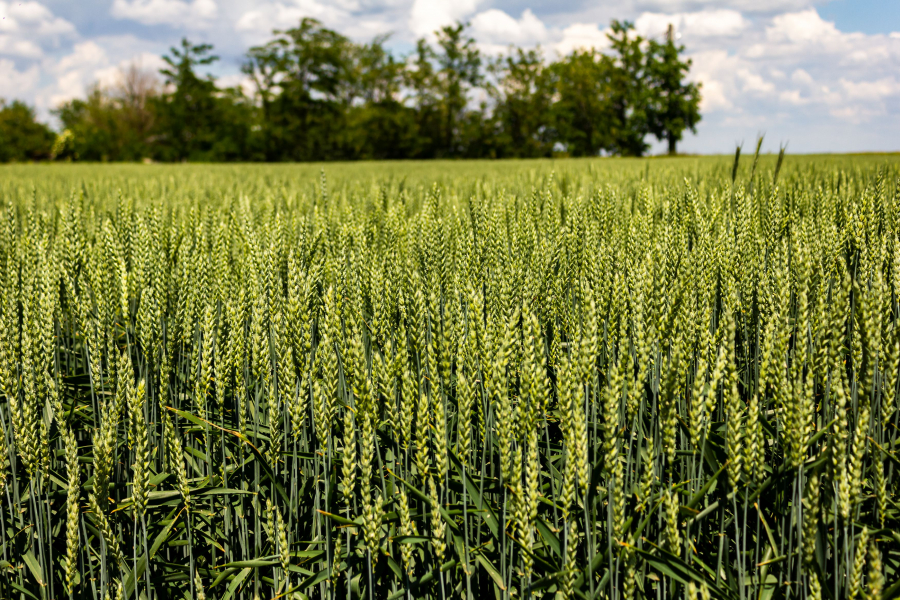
(317, 95)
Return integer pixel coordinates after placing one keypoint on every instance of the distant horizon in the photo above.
(680, 155)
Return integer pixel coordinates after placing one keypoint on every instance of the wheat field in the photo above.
(616, 379)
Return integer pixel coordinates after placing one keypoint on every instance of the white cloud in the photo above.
(90, 63)
(427, 16)
(32, 17)
(745, 6)
(74, 73)
(793, 97)
(262, 20)
(714, 23)
(582, 36)
(716, 70)
(497, 27)
(27, 27)
(701, 24)
(85, 55)
(871, 91)
(801, 27)
(855, 114)
(15, 82)
(256, 25)
(112, 76)
(754, 83)
(266, 17)
(786, 67)
(238, 80)
(805, 35)
(17, 47)
(801, 77)
(177, 13)
(714, 98)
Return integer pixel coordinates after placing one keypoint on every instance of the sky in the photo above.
(817, 75)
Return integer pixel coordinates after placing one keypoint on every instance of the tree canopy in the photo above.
(22, 137)
(311, 93)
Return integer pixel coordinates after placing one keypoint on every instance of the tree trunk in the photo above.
(672, 142)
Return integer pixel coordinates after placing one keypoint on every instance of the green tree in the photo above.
(113, 123)
(523, 98)
(421, 78)
(674, 103)
(583, 112)
(458, 72)
(440, 80)
(134, 97)
(93, 127)
(22, 137)
(320, 96)
(301, 77)
(629, 91)
(188, 115)
(236, 118)
(379, 125)
(132, 120)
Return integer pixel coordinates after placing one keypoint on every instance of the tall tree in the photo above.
(301, 76)
(674, 103)
(523, 97)
(458, 71)
(421, 78)
(583, 111)
(114, 122)
(135, 90)
(133, 120)
(629, 95)
(92, 128)
(22, 137)
(321, 96)
(379, 124)
(188, 114)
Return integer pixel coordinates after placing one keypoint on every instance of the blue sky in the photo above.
(822, 76)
